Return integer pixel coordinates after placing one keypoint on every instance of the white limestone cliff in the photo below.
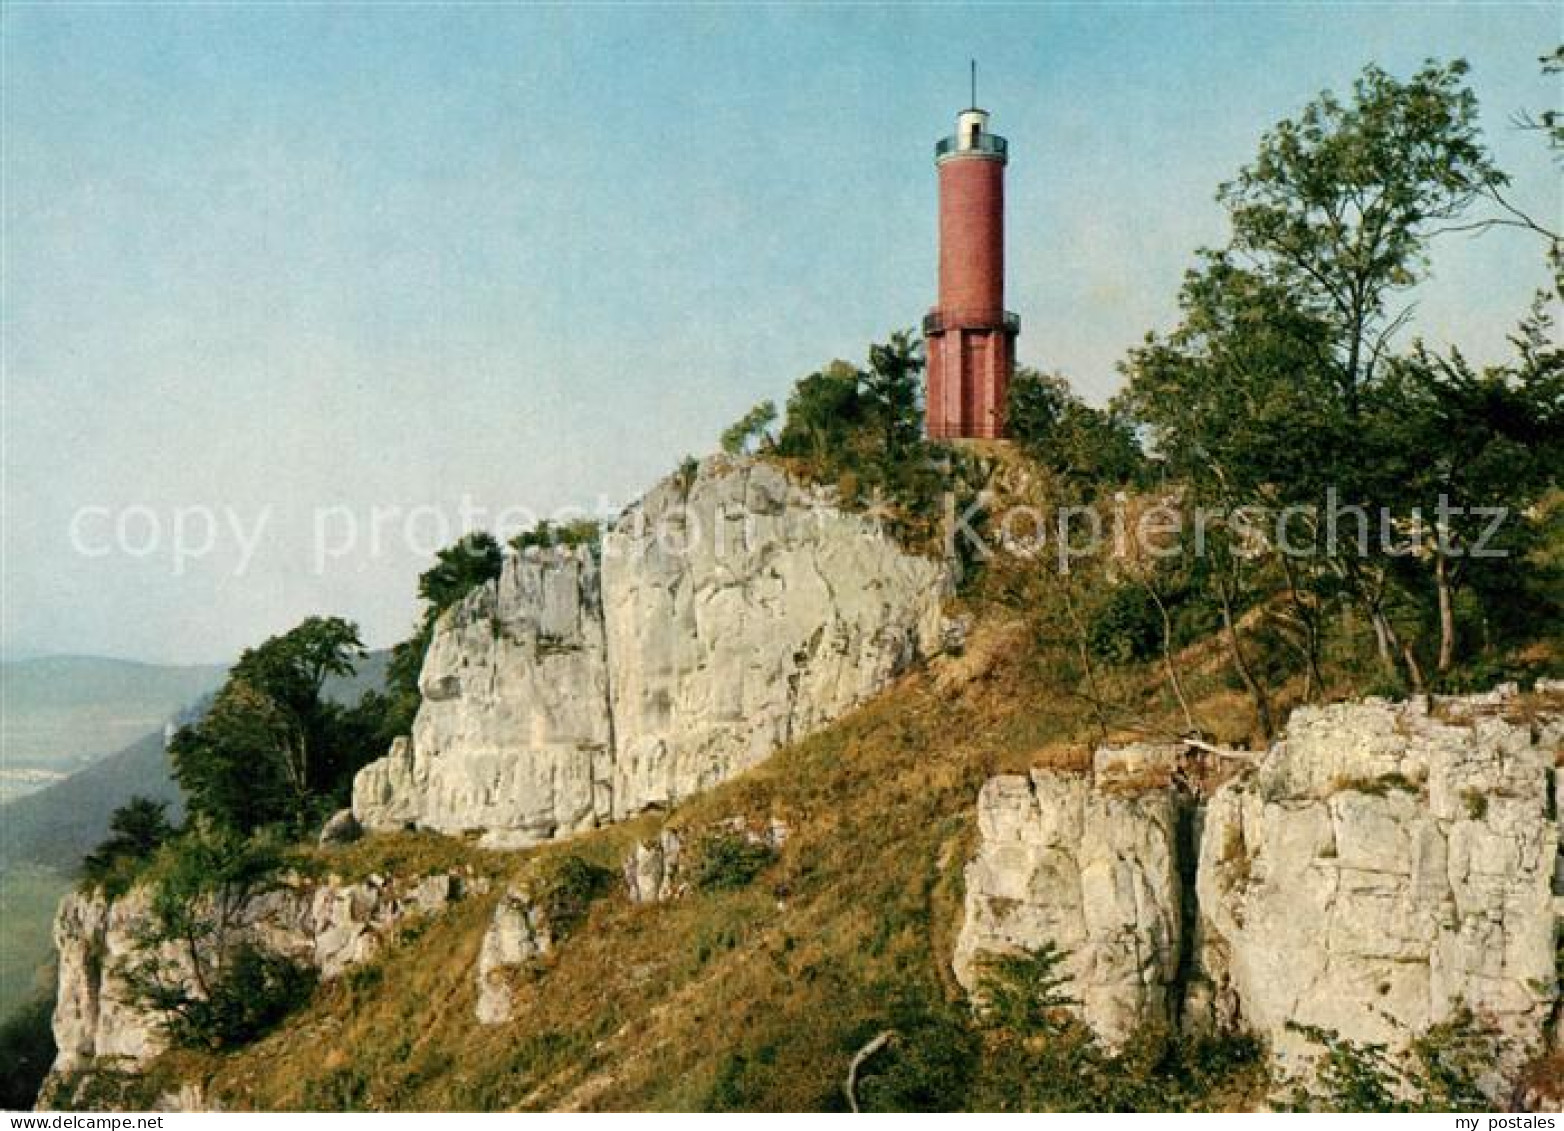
(328, 925)
(513, 734)
(734, 610)
(1092, 873)
(1380, 867)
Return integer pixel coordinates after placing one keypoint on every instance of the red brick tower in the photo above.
(971, 337)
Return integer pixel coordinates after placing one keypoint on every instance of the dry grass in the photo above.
(1064, 758)
(762, 993)
(407, 855)
(1381, 786)
(754, 998)
(1146, 780)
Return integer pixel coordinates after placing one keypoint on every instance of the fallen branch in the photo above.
(1157, 735)
(863, 1054)
(1222, 751)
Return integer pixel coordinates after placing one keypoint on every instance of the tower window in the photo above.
(973, 135)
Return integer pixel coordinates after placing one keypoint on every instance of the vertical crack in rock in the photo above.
(1379, 868)
(1186, 852)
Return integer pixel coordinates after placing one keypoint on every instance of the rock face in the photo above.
(513, 735)
(518, 934)
(330, 926)
(652, 869)
(1093, 873)
(732, 612)
(1378, 868)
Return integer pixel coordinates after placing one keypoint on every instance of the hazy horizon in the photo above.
(279, 260)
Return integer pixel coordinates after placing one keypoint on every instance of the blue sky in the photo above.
(274, 258)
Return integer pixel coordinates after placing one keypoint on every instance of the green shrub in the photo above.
(1127, 626)
(249, 995)
(1348, 1076)
(578, 532)
(1441, 1071)
(689, 467)
(1039, 1056)
(564, 888)
(1026, 993)
(26, 1052)
(727, 861)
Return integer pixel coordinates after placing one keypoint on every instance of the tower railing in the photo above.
(937, 322)
(987, 144)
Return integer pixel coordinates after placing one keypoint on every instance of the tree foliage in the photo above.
(751, 431)
(458, 569)
(1087, 448)
(137, 830)
(272, 749)
(1340, 203)
(860, 431)
(195, 965)
(1281, 390)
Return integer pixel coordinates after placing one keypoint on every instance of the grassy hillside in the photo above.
(754, 998)
(60, 824)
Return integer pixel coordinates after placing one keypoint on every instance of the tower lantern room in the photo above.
(970, 335)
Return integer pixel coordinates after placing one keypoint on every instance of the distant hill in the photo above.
(44, 835)
(59, 824)
(370, 675)
(62, 712)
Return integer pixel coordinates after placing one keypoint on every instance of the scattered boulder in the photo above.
(518, 934)
(651, 869)
(341, 828)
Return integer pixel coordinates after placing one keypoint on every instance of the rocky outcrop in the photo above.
(742, 612)
(328, 925)
(652, 869)
(341, 828)
(518, 934)
(733, 611)
(1092, 873)
(513, 735)
(1380, 867)
(655, 870)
